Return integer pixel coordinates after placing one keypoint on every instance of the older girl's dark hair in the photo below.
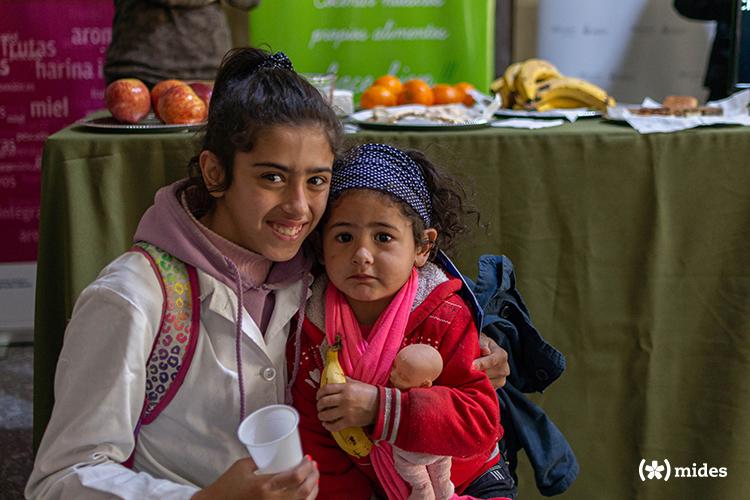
(250, 97)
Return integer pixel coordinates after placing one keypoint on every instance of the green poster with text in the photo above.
(440, 41)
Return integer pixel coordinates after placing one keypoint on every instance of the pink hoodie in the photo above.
(168, 225)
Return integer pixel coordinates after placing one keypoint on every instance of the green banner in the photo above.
(439, 41)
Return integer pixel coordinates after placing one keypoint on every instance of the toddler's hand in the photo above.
(354, 404)
(493, 361)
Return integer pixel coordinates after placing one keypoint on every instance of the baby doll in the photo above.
(418, 365)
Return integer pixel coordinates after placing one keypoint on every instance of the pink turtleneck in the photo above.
(252, 267)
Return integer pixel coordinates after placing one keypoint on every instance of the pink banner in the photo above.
(51, 60)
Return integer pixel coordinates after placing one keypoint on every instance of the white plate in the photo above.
(552, 113)
(363, 119)
(148, 124)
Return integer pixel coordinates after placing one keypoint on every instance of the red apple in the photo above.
(159, 89)
(204, 89)
(180, 105)
(128, 99)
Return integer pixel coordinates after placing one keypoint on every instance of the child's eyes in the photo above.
(347, 237)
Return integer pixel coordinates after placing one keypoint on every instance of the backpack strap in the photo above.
(175, 341)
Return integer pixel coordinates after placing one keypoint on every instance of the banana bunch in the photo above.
(352, 440)
(535, 84)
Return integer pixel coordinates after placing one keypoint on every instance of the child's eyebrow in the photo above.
(373, 224)
(284, 168)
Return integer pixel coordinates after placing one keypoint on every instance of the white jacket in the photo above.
(100, 388)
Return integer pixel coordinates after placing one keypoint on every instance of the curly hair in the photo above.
(450, 208)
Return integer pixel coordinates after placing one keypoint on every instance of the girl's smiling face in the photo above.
(278, 192)
(369, 250)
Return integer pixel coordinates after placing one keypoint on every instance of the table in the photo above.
(631, 252)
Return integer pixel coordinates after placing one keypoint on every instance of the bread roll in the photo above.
(680, 102)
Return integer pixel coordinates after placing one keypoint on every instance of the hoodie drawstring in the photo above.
(238, 335)
(306, 280)
(298, 337)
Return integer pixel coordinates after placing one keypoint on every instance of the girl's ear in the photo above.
(429, 237)
(212, 172)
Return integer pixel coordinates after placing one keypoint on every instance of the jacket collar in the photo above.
(222, 301)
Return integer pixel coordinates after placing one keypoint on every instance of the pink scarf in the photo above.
(370, 360)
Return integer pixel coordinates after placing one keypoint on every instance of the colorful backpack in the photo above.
(174, 343)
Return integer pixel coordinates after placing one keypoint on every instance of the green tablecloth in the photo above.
(631, 252)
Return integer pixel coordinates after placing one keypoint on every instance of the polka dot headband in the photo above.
(384, 168)
(277, 60)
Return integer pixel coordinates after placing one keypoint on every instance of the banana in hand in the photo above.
(352, 440)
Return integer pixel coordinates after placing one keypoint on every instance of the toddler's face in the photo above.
(369, 251)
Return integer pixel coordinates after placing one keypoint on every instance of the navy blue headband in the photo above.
(384, 168)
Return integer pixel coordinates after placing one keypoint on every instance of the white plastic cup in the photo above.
(272, 438)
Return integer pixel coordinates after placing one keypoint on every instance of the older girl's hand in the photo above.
(493, 360)
(354, 404)
(241, 482)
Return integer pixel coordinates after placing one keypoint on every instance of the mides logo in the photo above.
(663, 470)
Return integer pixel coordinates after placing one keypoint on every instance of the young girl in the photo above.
(259, 187)
(389, 212)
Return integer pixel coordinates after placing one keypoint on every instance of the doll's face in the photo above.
(416, 365)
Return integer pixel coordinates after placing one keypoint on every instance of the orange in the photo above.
(377, 95)
(391, 82)
(445, 94)
(416, 92)
(462, 89)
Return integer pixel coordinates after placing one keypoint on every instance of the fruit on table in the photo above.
(561, 91)
(204, 90)
(445, 94)
(128, 100)
(532, 72)
(535, 84)
(181, 105)
(463, 89)
(159, 89)
(416, 91)
(352, 440)
(391, 82)
(377, 95)
(506, 85)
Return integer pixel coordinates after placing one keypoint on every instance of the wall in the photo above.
(51, 60)
(633, 48)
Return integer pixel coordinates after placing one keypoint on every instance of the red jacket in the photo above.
(458, 416)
